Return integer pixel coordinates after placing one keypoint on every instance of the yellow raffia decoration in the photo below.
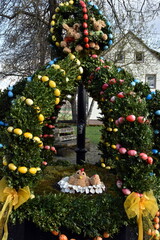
(11, 198)
(145, 206)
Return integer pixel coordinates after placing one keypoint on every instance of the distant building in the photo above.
(132, 54)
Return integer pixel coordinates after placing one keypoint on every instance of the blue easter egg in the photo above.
(136, 80)
(10, 94)
(1, 145)
(6, 124)
(48, 66)
(119, 69)
(154, 93)
(1, 123)
(100, 12)
(102, 58)
(10, 88)
(90, 3)
(149, 97)
(51, 62)
(29, 79)
(110, 36)
(133, 83)
(151, 174)
(157, 112)
(95, 6)
(105, 47)
(154, 151)
(108, 23)
(110, 42)
(156, 131)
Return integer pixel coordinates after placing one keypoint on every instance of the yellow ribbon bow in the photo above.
(145, 206)
(11, 198)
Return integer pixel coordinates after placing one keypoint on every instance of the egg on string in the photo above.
(108, 23)
(137, 80)
(2, 123)
(100, 12)
(119, 69)
(10, 88)
(105, 47)
(110, 36)
(95, 6)
(133, 83)
(153, 92)
(110, 42)
(156, 131)
(51, 62)
(1, 145)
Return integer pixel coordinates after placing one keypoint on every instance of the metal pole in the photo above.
(81, 125)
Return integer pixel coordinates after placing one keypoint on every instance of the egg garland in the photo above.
(82, 32)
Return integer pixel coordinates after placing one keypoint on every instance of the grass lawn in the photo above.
(93, 133)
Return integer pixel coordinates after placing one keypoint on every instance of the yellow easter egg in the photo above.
(29, 101)
(54, 38)
(110, 119)
(22, 169)
(79, 77)
(18, 131)
(71, 56)
(51, 30)
(10, 129)
(33, 170)
(57, 101)
(113, 146)
(40, 144)
(28, 135)
(63, 71)
(61, 4)
(108, 167)
(38, 169)
(103, 164)
(57, 9)
(57, 92)
(36, 139)
(109, 129)
(66, 3)
(54, 15)
(56, 66)
(12, 167)
(57, 44)
(53, 23)
(67, 79)
(115, 129)
(107, 144)
(22, 98)
(45, 79)
(78, 62)
(52, 84)
(37, 109)
(39, 76)
(71, 2)
(5, 163)
(41, 117)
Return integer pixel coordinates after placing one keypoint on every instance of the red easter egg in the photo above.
(45, 135)
(140, 119)
(84, 10)
(132, 152)
(121, 120)
(120, 95)
(86, 45)
(126, 191)
(150, 160)
(131, 118)
(86, 39)
(122, 150)
(85, 25)
(101, 93)
(105, 86)
(112, 81)
(116, 122)
(94, 56)
(85, 32)
(85, 16)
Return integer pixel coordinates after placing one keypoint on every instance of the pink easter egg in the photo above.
(131, 118)
(53, 149)
(143, 156)
(117, 123)
(101, 92)
(121, 81)
(122, 150)
(45, 135)
(132, 152)
(118, 146)
(104, 86)
(94, 56)
(113, 99)
(126, 191)
(98, 68)
(121, 120)
(101, 60)
(44, 163)
(140, 119)
(47, 147)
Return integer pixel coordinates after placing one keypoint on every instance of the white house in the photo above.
(132, 54)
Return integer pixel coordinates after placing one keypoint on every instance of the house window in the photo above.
(139, 57)
(151, 80)
(120, 57)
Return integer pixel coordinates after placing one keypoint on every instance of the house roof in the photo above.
(130, 33)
